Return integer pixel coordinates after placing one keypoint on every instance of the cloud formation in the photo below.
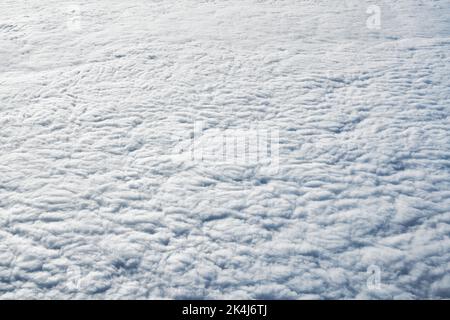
(99, 100)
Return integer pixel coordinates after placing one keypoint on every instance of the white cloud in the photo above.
(95, 204)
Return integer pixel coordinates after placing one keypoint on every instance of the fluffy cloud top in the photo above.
(98, 104)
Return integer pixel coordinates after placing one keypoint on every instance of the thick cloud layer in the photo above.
(102, 194)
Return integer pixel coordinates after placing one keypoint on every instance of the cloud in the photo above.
(95, 201)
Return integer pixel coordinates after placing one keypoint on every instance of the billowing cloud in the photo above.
(326, 174)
